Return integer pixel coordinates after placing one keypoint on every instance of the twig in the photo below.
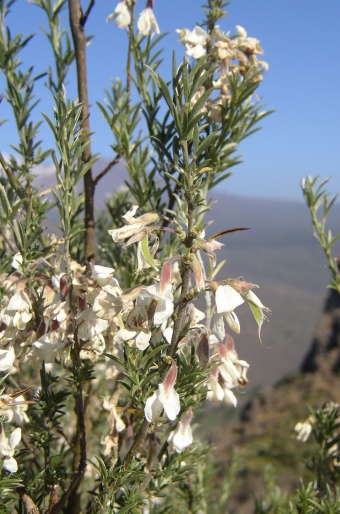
(130, 53)
(12, 180)
(87, 13)
(8, 242)
(137, 442)
(115, 161)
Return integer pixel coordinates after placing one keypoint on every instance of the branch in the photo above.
(87, 13)
(54, 497)
(105, 170)
(30, 506)
(60, 504)
(137, 442)
(79, 40)
(130, 54)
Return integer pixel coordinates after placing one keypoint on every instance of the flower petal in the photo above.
(233, 321)
(170, 402)
(153, 407)
(11, 465)
(15, 438)
(227, 299)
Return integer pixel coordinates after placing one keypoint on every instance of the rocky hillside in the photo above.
(264, 435)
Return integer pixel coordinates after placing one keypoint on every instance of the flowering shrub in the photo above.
(104, 354)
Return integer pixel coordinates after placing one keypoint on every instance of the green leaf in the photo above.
(125, 384)
(6, 205)
(207, 142)
(162, 149)
(146, 253)
(163, 88)
(151, 354)
(199, 104)
(173, 178)
(114, 358)
(259, 317)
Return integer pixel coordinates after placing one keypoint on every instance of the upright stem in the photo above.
(77, 24)
(180, 313)
(187, 264)
(70, 495)
(130, 52)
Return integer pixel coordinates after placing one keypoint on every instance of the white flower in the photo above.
(93, 348)
(209, 246)
(58, 310)
(46, 348)
(140, 340)
(115, 422)
(227, 299)
(218, 328)
(195, 41)
(7, 446)
(164, 299)
(182, 436)
(241, 31)
(304, 429)
(147, 22)
(134, 228)
(14, 408)
(137, 332)
(101, 274)
(110, 442)
(231, 372)
(193, 316)
(167, 333)
(162, 294)
(257, 308)
(122, 15)
(219, 391)
(17, 312)
(89, 325)
(17, 261)
(7, 358)
(195, 51)
(165, 398)
(107, 306)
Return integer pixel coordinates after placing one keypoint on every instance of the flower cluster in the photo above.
(230, 294)
(87, 308)
(92, 303)
(147, 22)
(235, 55)
(230, 372)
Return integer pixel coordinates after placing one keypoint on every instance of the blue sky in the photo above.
(301, 41)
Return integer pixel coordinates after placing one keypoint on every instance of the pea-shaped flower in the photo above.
(165, 398)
